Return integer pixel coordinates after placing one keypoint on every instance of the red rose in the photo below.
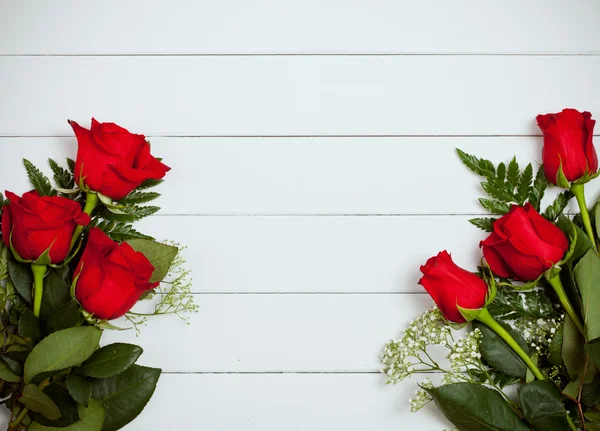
(523, 244)
(35, 223)
(111, 277)
(568, 143)
(449, 285)
(113, 161)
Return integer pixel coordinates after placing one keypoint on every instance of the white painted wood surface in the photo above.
(312, 146)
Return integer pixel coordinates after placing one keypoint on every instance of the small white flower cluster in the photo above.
(539, 333)
(464, 353)
(400, 356)
(422, 397)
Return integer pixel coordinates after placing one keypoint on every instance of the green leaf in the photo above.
(62, 177)
(36, 400)
(22, 278)
(62, 349)
(481, 167)
(499, 355)
(79, 388)
(558, 206)
(149, 183)
(3, 260)
(129, 214)
(539, 187)
(590, 393)
(7, 374)
(587, 276)
(524, 187)
(38, 180)
(555, 347)
(484, 223)
(118, 231)
(135, 198)
(160, 256)
(573, 351)
(110, 360)
(92, 419)
(513, 173)
(582, 246)
(593, 350)
(56, 293)
(65, 316)
(125, 395)
(71, 165)
(494, 206)
(29, 327)
(65, 404)
(473, 407)
(543, 407)
(510, 305)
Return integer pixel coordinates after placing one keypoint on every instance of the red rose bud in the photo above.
(113, 161)
(449, 285)
(568, 144)
(111, 277)
(523, 244)
(34, 223)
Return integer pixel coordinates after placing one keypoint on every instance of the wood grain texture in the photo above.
(297, 27)
(304, 176)
(414, 95)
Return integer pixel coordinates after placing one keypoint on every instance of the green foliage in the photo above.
(61, 350)
(484, 223)
(71, 166)
(558, 206)
(499, 355)
(555, 347)
(136, 198)
(510, 305)
(79, 388)
(29, 327)
(7, 373)
(56, 293)
(587, 275)
(160, 256)
(129, 214)
(473, 407)
(39, 181)
(118, 231)
(65, 316)
(66, 405)
(111, 360)
(149, 183)
(22, 278)
(62, 177)
(573, 353)
(91, 419)
(36, 400)
(125, 395)
(543, 407)
(505, 186)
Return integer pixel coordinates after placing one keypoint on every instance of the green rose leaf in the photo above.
(7, 373)
(91, 419)
(37, 401)
(159, 255)
(125, 395)
(79, 388)
(573, 353)
(29, 327)
(65, 404)
(473, 407)
(590, 393)
(110, 360)
(555, 348)
(56, 292)
(587, 276)
(543, 407)
(62, 349)
(65, 316)
(3, 260)
(499, 355)
(22, 279)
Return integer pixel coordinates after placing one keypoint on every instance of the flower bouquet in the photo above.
(528, 356)
(70, 262)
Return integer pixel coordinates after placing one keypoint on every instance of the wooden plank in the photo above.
(305, 175)
(276, 333)
(319, 402)
(198, 96)
(297, 27)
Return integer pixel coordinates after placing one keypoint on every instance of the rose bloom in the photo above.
(34, 223)
(568, 143)
(111, 277)
(450, 285)
(523, 244)
(113, 161)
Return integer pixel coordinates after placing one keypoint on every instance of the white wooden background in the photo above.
(313, 171)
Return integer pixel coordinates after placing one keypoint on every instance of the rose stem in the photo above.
(90, 203)
(564, 300)
(577, 190)
(19, 418)
(38, 286)
(486, 318)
